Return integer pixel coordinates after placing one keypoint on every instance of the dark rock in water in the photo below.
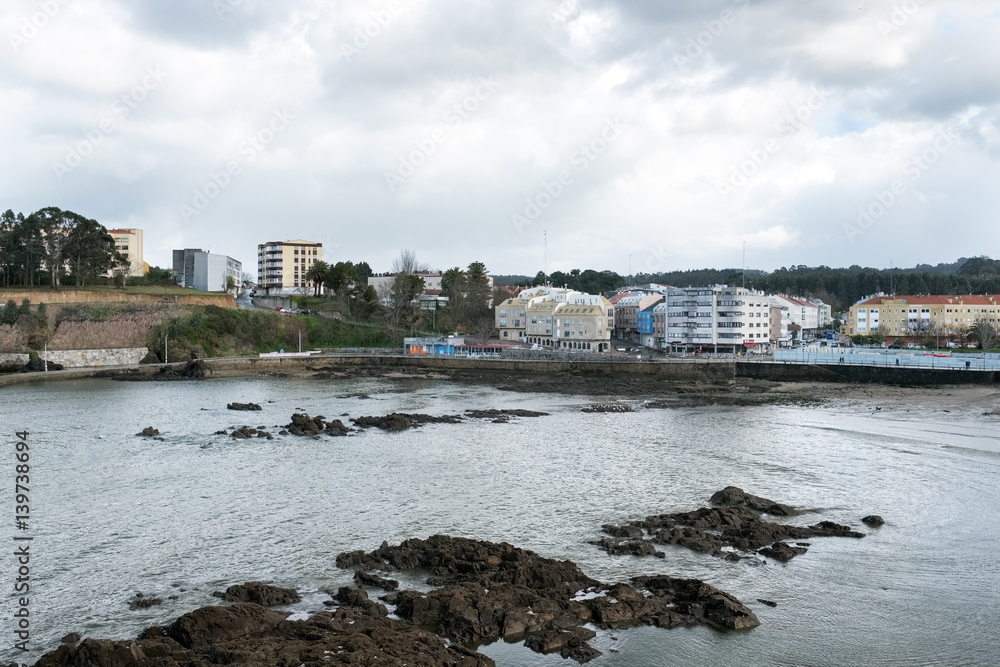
(362, 578)
(620, 546)
(248, 634)
(197, 369)
(398, 421)
(736, 525)
(259, 593)
(141, 601)
(873, 520)
(608, 407)
(222, 432)
(632, 532)
(358, 599)
(769, 603)
(495, 414)
(71, 638)
(489, 590)
(245, 433)
(304, 425)
(243, 406)
(282, 432)
(782, 551)
(148, 432)
(733, 496)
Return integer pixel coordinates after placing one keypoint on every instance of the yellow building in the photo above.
(918, 316)
(282, 266)
(128, 241)
(557, 318)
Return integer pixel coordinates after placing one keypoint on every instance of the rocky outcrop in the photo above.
(246, 407)
(734, 530)
(245, 433)
(873, 520)
(260, 593)
(362, 578)
(398, 421)
(503, 415)
(247, 633)
(304, 425)
(608, 407)
(36, 365)
(141, 601)
(149, 432)
(487, 591)
(733, 496)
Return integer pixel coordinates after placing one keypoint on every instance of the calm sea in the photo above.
(113, 514)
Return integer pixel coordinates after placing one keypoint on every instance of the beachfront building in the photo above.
(554, 318)
(627, 313)
(811, 315)
(206, 271)
(917, 317)
(718, 319)
(282, 266)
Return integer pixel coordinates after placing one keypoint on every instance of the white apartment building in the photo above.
(812, 315)
(557, 318)
(717, 319)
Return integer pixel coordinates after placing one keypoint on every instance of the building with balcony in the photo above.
(917, 317)
(282, 266)
(717, 319)
(553, 318)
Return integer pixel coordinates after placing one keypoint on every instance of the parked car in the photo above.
(896, 346)
(952, 345)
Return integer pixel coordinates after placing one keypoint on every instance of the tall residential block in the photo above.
(282, 266)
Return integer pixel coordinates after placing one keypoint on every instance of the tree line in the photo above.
(838, 287)
(52, 245)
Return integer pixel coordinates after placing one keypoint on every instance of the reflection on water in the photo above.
(114, 514)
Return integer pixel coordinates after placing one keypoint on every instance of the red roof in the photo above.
(618, 297)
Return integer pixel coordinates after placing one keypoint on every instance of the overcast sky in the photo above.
(665, 134)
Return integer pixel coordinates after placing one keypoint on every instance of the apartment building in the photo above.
(282, 266)
(557, 318)
(627, 313)
(922, 315)
(128, 241)
(717, 319)
(205, 271)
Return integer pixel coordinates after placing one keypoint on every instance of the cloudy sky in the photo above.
(644, 133)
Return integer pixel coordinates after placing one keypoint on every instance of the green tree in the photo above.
(398, 299)
(55, 226)
(317, 274)
(89, 249)
(9, 314)
(983, 332)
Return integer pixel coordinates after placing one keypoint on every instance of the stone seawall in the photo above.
(903, 376)
(96, 358)
(714, 371)
(272, 302)
(13, 360)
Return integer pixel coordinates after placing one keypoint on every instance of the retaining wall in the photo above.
(96, 358)
(42, 295)
(915, 377)
(272, 302)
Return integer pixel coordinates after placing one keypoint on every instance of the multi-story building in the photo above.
(717, 319)
(432, 282)
(282, 266)
(780, 336)
(128, 241)
(206, 271)
(627, 313)
(811, 315)
(557, 318)
(645, 326)
(920, 316)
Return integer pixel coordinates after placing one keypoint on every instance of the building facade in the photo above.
(913, 317)
(553, 318)
(718, 319)
(282, 266)
(128, 241)
(205, 271)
